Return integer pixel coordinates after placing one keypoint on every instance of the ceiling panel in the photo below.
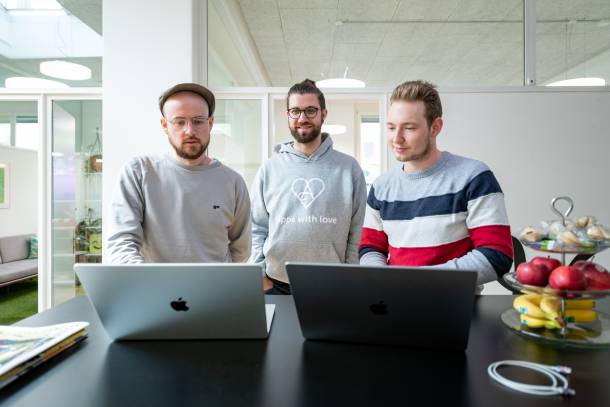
(309, 4)
(426, 10)
(459, 41)
(367, 10)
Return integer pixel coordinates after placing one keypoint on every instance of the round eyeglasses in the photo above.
(180, 123)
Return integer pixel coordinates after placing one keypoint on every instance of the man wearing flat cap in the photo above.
(183, 206)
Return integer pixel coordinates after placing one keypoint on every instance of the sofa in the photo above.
(14, 263)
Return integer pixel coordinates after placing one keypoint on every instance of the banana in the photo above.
(580, 304)
(580, 315)
(529, 304)
(533, 322)
(551, 306)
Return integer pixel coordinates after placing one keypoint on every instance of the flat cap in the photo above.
(202, 91)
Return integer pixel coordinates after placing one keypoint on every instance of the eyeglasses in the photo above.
(310, 112)
(179, 123)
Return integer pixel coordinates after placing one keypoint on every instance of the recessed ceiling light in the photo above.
(22, 82)
(334, 128)
(65, 70)
(580, 82)
(340, 83)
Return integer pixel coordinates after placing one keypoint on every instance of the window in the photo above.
(26, 132)
(279, 43)
(573, 42)
(45, 44)
(5, 130)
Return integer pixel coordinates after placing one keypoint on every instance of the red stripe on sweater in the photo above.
(496, 237)
(375, 239)
(429, 256)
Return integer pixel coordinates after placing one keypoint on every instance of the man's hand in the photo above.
(267, 283)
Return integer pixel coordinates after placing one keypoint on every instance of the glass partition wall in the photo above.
(19, 127)
(77, 163)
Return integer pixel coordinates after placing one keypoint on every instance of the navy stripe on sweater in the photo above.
(483, 184)
(500, 262)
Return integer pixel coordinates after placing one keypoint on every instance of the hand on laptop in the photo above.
(267, 284)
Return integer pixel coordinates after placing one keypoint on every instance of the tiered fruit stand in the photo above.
(595, 334)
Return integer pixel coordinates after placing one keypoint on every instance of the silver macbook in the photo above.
(428, 308)
(178, 301)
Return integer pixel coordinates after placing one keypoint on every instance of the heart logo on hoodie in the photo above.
(307, 190)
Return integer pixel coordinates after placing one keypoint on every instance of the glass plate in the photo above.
(590, 335)
(553, 246)
(511, 279)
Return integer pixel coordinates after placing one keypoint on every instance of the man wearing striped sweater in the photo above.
(436, 209)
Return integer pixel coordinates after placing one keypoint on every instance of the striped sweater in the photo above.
(451, 216)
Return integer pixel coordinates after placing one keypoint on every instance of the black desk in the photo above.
(288, 371)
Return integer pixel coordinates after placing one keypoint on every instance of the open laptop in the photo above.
(429, 308)
(178, 301)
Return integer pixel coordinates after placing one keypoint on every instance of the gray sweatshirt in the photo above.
(163, 212)
(307, 208)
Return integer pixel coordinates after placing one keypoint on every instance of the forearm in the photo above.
(240, 248)
(258, 241)
(374, 258)
(471, 261)
(359, 210)
(123, 248)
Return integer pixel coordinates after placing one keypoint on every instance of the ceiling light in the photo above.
(344, 82)
(334, 128)
(22, 82)
(580, 82)
(340, 83)
(65, 70)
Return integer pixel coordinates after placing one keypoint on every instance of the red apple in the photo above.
(548, 262)
(568, 278)
(532, 274)
(598, 278)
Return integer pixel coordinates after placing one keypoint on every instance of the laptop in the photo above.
(424, 308)
(178, 301)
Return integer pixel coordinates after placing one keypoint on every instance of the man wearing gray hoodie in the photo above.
(308, 200)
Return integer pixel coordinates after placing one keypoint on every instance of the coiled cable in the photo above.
(559, 383)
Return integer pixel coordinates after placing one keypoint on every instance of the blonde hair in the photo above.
(412, 91)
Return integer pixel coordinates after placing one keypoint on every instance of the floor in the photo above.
(18, 301)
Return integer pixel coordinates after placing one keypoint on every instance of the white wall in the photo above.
(540, 145)
(149, 45)
(21, 216)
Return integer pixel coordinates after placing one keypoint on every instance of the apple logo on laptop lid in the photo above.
(380, 308)
(179, 305)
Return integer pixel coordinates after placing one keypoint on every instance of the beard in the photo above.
(417, 155)
(314, 132)
(190, 151)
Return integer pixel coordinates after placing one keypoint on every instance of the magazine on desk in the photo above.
(23, 348)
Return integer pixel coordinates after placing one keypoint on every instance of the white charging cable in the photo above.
(559, 384)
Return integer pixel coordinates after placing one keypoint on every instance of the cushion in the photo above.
(33, 252)
(14, 248)
(15, 270)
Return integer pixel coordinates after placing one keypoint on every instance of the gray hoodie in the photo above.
(307, 208)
